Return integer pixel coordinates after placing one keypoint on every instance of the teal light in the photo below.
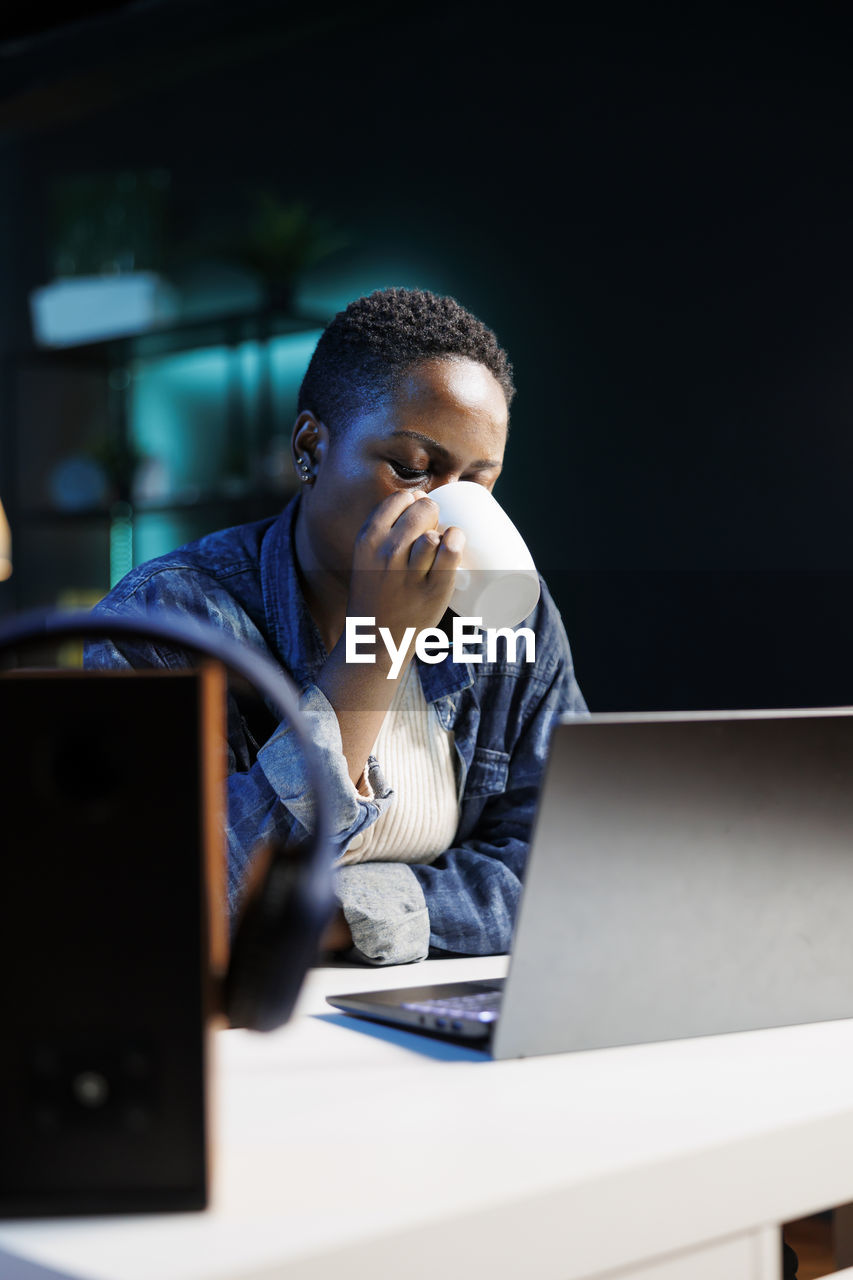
(210, 424)
(121, 543)
(180, 409)
(289, 357)
(249, 358)
(157, 532)
(291, 353)
(178, 417)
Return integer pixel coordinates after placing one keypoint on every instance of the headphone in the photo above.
(277, 936)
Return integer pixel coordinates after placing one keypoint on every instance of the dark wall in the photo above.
(653, 208)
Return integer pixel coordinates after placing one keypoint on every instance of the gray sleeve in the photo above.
(385, 908)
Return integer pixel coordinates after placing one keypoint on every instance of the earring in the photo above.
(304, 471)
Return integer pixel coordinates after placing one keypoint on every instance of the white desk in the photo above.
(345, 1152)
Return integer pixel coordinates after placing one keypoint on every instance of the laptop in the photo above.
(689, 874)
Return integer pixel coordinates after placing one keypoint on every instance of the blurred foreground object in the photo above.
(113, 921)
(5, 546)
(112, 927)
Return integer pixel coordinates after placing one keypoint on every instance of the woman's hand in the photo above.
(337, 936)
(403, 569)
(402, 575)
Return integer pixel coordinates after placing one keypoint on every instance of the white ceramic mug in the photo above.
(497, 579)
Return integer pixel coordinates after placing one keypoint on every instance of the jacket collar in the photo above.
(296, 640)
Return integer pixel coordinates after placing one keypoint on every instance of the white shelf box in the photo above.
(82, 309)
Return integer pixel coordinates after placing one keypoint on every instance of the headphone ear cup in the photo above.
(277, 936)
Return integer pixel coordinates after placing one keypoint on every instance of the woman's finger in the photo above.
(411, 524)
(423, 551)
(450, 549)
(380, 521)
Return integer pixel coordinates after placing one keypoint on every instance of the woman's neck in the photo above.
(325, 592)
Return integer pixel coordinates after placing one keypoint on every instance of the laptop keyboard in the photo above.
(482, 1006)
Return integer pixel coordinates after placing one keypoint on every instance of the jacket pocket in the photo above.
(487, 774)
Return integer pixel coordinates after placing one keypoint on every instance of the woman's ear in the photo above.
(309, 444)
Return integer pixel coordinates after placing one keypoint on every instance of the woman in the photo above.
(432, 774)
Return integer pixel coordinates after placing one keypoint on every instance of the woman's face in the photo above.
(447, 422)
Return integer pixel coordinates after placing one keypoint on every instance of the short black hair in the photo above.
(365, 351)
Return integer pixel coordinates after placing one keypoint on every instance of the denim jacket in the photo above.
(244, 581)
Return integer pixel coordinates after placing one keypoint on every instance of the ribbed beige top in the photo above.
(418, 761)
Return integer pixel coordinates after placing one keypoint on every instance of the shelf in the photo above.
(218, 407)
(185, 335)
(271, 501)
